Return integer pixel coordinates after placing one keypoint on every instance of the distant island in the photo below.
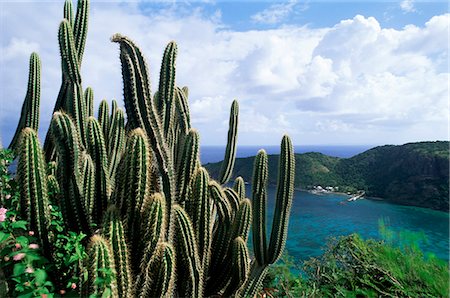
(415, 174)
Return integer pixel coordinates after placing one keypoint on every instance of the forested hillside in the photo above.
(412, 174)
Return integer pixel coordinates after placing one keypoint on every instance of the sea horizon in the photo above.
(215, 153)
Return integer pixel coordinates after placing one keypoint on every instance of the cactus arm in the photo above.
(114, 232)
(116, 143)
(233, 199)
(32, 175)
(240, 265)
(152, 227)
(241, 224)
(285, 192)
(89, 101)
(183, 111)
(80, 28)
(230, 151)
(160, 273)
(188, 262)
(103, 119)
(259, 202)
(100, 259)
(220, 201)
(88, 182)
(239, 187)
(29, 117)
(68, 12)
(188, 164)
(199, 208)
(135, 182)
(70, 62)
(65, 136)
(96, 148)
(166, 91)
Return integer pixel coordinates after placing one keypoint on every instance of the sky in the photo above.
(324, 72)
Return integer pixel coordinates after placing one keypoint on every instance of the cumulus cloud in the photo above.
(354, 82)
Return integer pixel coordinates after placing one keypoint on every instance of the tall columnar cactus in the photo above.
(230, 151)
(34, 203)
(29, 116)
(265, 256)
(163, 226)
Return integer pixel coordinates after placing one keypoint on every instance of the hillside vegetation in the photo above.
(414, 174)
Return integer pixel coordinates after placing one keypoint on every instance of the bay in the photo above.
(316, 218)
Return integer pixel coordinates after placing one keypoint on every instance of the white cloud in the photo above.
(356, 80)
(407, 6)
(276, 13)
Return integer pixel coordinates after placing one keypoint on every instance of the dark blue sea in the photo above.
(215, 153)
(316, 218)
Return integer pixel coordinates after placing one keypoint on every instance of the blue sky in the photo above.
(325, 72)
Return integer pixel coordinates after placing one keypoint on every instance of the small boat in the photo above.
(356, 197)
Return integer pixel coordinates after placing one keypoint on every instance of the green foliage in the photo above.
(353, 267)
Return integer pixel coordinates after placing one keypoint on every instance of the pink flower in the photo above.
(73, 286)
(8, 197)
(33, 246)
(44, 295)
(19, 256)
(18, 246)
(62, 292)
(3, 214)
(6, 258)
(31, 233)
(29, 270)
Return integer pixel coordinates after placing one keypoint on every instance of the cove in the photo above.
(315, 218)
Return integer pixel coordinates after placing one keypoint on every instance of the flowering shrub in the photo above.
(24, 270)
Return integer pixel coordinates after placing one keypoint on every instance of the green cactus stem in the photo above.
(230, 151)
(239, 187)
(29, 117)
(114, 232)
(189, 271)
(80, 28)
(101, 270)
(71, 199)
(96, 148)
(34, 202)
(160, 273)
(89, 101)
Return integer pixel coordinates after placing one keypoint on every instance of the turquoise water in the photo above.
(315, 218)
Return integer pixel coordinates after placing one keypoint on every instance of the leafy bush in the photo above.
(353, 267)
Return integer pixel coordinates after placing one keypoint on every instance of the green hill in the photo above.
(412, 174)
